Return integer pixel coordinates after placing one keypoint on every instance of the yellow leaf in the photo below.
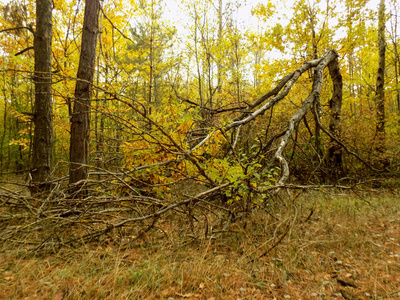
(9, 278)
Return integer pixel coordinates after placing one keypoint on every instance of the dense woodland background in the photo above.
(198, 81)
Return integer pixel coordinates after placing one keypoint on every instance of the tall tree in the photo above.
(220, 32)
(394, 36)
(335, 160)
(380, 81)
(43, 110)
(79, 147)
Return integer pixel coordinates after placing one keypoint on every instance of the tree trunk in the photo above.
(335, 104)
(219, 64)
(151, 58)
(43, 113)
(316, 109)
(396, 59)
(380, 82)
(81, 113)
(5, 117)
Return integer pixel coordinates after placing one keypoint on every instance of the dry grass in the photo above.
(346, 249)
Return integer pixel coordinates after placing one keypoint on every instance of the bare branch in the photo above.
(23, 51)
(115, 27)
(29, 28)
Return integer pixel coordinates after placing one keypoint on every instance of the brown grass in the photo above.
(347, 249)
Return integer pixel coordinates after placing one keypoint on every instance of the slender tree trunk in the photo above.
(396, 63)
(380, 82)
(3, 135)
(79, 147)
(199, 77)
(151, 56)
(219, 64)
(11, 131)
(98, 115)
(5, 117)
(396, 73)
(43, 113)
(316, 110)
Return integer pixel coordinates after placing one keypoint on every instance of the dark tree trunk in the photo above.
(380, 82)
(43, 114)
(335, 160)
(81, 112)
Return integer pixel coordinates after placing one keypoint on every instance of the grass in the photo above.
(345, 248)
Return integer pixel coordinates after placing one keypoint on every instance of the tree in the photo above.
(151, 39)
(80, 118)
(380, 81)
(394, 36)
(335, 160)
(43, 109)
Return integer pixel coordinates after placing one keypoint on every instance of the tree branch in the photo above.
(29, 28)
(307, 104)
(23, 51)
(115, 27)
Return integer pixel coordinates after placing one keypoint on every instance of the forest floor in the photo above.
(348, 248)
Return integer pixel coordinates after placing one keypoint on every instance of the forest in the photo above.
(199, 149)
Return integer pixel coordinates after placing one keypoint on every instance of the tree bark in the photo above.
(219, 64)
(79, 147)
(43, 113)
(335, 104)
(300, 113)
(380, 82)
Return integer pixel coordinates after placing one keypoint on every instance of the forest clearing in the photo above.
(248, 150)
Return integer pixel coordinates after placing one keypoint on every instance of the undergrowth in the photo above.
(317, 247)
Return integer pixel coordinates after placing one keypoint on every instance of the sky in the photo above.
(179, 18)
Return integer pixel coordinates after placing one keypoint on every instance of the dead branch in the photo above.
(286, 83)
(198, 197)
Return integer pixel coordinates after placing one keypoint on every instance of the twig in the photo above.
(275, 244)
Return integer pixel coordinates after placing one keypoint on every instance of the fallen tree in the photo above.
(267, 102)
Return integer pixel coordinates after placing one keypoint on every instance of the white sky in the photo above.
(179, 18)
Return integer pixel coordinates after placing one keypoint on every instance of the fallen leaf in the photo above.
(188, 295)
(9, 278)
(59, 296)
